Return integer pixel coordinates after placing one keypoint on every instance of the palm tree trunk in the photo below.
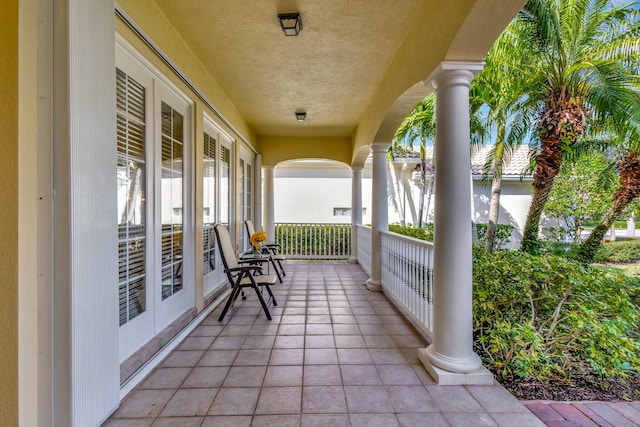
(590, 245)
(530, 242)
(408, 195)
(394, 191)
(494, 211)
(428, 196)
(629, 190)
(423, 178)
(496, 187)
(562, 123)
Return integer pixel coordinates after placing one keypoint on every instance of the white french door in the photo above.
(154, 203)
(217, 201)
(245, 181)
(172, 217)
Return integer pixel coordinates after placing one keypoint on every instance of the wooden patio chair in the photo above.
(243, 276)
(272, 249)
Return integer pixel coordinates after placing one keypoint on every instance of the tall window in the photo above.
(172, 130)
(131, 128)
(225, 185)
(249, 192)
(209, 203)
(246, 197)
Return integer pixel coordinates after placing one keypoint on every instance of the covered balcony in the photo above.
(132, 127)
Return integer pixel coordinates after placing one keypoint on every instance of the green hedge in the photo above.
(315, 241)
(503, 232)
(619, 251)
(543, 316)
(425, 233)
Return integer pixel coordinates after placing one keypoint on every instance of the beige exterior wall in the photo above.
(275, 150)
(28, 276)
(9, 213)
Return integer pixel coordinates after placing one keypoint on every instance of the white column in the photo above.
(379, 212)
(450, 358)
(356, 210)
(269, 209)
(257, 190)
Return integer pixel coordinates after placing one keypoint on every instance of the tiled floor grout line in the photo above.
(370, 320)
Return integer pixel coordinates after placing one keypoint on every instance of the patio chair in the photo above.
(273, 249)
(243, 276)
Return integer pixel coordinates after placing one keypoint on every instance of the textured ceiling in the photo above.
(356, 68)
(329, 70)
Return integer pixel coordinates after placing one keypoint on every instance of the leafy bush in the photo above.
(314, 240)
(502, 236)
(542, 316)
(618, 251)
(562, 249)
(503, 232)
(425, 233)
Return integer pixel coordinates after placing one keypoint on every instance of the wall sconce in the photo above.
(301, 116)
(290, 23)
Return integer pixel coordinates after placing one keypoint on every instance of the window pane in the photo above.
(225, 190)
(130, 189)
(208, 204)
(171, 200)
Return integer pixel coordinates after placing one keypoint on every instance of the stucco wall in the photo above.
(9, 214)
(309, 195)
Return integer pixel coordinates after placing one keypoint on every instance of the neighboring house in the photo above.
(319, 191)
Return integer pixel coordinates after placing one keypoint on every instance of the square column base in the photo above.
(373, 286)
(480, 377)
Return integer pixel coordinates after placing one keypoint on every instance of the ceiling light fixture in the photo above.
(290, 23)
(301, 116)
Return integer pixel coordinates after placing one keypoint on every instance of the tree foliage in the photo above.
(581, 192)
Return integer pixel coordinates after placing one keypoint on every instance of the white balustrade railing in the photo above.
(314, 240)
(364, 247)
(407, 276)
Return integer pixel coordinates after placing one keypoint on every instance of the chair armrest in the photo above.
(272, 248)
(242, 268)
(253, 261)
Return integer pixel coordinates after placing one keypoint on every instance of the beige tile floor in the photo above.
(334, 354)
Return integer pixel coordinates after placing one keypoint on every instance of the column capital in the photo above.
(454, 73)
(268, 167)
(380, 147)
(357, 169)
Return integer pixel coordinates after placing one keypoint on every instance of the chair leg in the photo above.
(273, 298)
(234, 295)
(262, 302)
(275, 267)
(281, 269)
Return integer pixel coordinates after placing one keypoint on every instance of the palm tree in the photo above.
(500, 89)
(628, 167)
(580, 76)
(420, 125)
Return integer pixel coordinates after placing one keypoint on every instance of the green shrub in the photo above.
(502, 236)
(314, 240)
(425, 233)
(542, 316)
(618, 251)
(503, 232)
(566, 250)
